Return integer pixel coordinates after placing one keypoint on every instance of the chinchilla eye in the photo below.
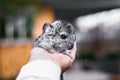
(63, 36)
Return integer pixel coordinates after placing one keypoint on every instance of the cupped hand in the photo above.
(62, 60)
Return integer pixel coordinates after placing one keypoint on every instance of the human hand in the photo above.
(62, 60)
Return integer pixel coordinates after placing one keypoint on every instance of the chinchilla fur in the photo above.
(58, 36)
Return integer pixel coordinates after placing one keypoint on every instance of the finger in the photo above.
(72, 53)
(66, 62)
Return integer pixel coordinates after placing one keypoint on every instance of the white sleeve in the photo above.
(40, 70)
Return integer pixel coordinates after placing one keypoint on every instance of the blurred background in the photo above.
(97, 24)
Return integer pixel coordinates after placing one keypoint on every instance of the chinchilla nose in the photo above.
(70, 46)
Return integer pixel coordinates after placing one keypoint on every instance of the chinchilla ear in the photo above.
(70, 29)
(47, 28)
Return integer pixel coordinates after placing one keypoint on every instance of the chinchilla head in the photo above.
(57, 36)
